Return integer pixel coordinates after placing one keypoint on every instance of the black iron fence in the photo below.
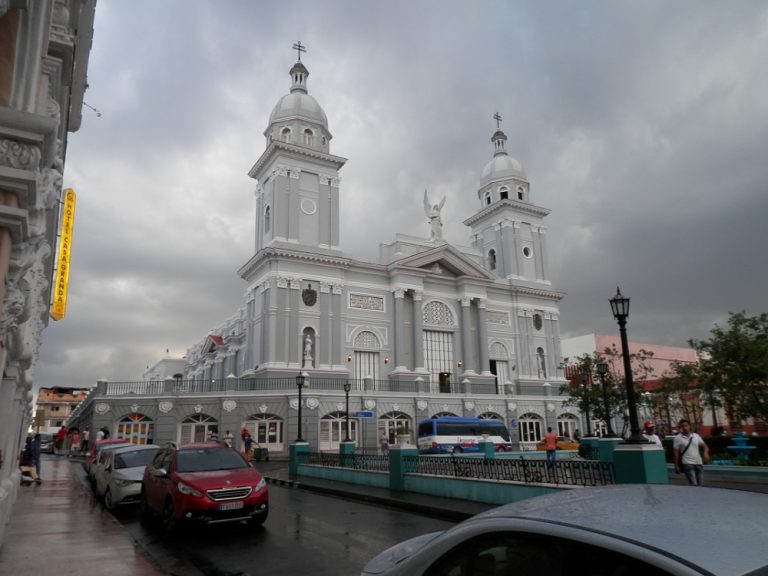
(368, 462)
(528, 471)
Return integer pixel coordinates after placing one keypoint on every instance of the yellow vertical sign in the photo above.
(59, 304)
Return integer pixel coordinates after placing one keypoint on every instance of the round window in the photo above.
(527, 252)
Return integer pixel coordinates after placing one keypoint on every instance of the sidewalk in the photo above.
(58, 528)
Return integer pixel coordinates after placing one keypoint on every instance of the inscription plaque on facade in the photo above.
(494, 317)
(365, 302)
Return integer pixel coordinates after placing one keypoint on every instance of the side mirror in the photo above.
(108, 467)
(161, 473)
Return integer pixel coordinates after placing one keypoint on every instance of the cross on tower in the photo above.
(497, 117)
(299, 49)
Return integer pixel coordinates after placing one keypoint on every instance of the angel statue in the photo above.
(433, 213)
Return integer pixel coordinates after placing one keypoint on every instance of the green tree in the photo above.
(586, 372)
(734, 365)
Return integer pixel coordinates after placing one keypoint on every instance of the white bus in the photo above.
(452, 434)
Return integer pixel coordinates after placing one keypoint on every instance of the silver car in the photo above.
(627, 530)
(118, 476)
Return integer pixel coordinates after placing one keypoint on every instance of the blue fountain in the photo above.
(741, 450)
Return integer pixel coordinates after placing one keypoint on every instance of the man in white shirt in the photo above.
(649, 433)
(691, 453)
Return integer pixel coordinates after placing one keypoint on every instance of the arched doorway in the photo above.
(333, 430)
(391, 421)
(530, 428)
(136, 428)
(266, 430)
(198, 428)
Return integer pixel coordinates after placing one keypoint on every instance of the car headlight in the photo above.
(123, 483)
(184, 489)
(261, 485)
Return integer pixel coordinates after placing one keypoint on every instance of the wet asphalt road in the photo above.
(306, 533)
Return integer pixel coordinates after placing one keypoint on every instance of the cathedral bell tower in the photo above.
(508, 228)
(297, 196)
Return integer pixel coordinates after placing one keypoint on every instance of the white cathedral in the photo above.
(431, 329)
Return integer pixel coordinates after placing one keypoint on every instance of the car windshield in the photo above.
(202, 459)
(134, 459)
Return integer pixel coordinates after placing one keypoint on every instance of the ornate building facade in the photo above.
(44, 50)
(431, 328)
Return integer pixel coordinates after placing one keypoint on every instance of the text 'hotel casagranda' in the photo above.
(431, 329)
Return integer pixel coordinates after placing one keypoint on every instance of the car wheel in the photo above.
(109, 504)
(169, 522)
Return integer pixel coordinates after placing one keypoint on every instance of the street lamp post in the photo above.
(620, 309)
(602, 370)
(347, 387)
(300, 379)
(586, 403)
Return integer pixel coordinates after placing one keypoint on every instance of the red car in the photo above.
(207, 482)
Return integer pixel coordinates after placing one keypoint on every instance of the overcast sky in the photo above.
(643, 126)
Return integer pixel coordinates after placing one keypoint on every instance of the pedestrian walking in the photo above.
(36, 451)
(691, 453)
(384, 442)
(100, 434)
(27, 464)
(228, 437)
(74, 442)
(86, 439)
(248, 447)
(649, 433)
(61, 438)
(550, 445)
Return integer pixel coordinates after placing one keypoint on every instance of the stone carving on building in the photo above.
(263, 408)
(228, 405)
(308, 363)
(313, 403)
(422, 405)
(134, 408)
(309, 296)
(469, 405)
(433, 213)
(339, 406)
(19, 155)
(396, 407)
(294, 403)
(511, 406)
(496, 317)
(165, 407)
(198, 408)
(101, 408)
(370, 404)
(550, 407)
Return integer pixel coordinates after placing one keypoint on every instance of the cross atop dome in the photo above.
(299, 47)
(497, 117)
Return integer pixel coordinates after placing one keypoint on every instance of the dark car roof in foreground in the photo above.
(723, 531)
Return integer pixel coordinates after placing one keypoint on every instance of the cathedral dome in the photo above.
(502, 166)
(298, 103)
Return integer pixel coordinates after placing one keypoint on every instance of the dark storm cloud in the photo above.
(642, 126)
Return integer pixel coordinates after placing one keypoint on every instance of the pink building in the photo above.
(663, 356)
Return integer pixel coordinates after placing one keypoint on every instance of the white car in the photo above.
(117, 478)
(626, 530)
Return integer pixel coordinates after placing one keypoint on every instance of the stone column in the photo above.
(295, 351)
(482, 339)
(418, 331)
(323, 335)
(335, 333)
(466, 335)
(399, 323)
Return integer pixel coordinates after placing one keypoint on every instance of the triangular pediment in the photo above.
(443, 260)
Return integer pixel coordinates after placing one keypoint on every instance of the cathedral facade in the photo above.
(430, 329)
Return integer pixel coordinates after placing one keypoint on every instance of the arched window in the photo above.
(490, 416)
(267, 219)
(567, 425)
(520, 193)
(492, 259)
(487, 198)
(444, 415)
(366, 349)
(136, 429)
(308, 137)
(504, 192)
(438, 314)
(198, 428)
(285, 134)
